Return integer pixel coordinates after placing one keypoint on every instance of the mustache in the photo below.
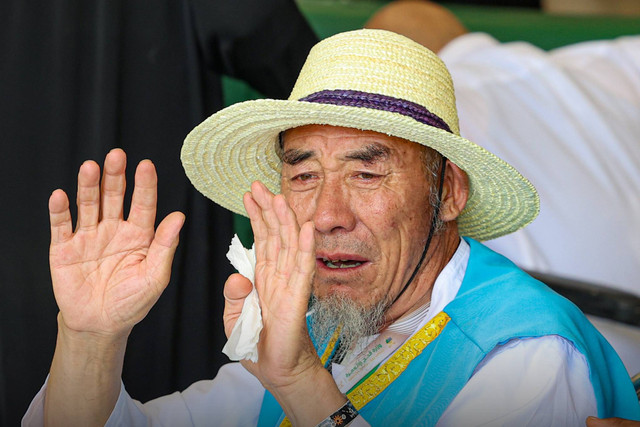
(343, 243)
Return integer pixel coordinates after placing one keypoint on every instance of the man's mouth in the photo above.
(341, 263)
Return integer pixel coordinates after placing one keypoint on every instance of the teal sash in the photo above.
(497, 302)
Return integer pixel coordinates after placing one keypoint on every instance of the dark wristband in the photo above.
(341, 417)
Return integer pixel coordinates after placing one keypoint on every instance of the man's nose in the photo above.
(333, 210)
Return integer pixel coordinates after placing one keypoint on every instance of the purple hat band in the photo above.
(353, 98)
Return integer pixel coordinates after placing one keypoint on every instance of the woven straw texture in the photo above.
(236, 146)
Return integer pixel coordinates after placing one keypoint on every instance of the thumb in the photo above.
(163, 247)
(236, 289)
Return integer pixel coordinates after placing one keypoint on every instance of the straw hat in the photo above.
(367, 79)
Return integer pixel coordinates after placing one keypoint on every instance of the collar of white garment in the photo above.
(447, 284)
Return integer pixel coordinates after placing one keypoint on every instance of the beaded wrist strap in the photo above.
(341, 417)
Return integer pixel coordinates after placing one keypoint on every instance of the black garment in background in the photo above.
(78, 78)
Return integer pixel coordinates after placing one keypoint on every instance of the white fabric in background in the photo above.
(569, 121)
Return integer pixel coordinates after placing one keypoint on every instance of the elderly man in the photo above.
(409, 324)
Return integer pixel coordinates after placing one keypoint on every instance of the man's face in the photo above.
(368, 197)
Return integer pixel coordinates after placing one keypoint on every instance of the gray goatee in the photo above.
(357, 320)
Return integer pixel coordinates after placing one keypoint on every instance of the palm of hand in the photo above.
(101, 277)
(284, 271)
(109, 272)
(284, 313)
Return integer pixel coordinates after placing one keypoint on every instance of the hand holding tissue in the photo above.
(243, 341)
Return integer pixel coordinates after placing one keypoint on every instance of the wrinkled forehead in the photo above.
(378, 144)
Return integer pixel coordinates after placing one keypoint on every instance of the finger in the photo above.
(305, 264)
(113, 184)
(288, 236)
(88, 198)
(59, 217)
(163, 248)
(236, 289)
(145, 196)
(264, 199)
(257, 223)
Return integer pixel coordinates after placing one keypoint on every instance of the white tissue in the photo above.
(243, 342)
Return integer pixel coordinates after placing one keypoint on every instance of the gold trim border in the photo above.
(392, 368)
(330, 345)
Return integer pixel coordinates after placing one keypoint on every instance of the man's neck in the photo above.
(419, 291)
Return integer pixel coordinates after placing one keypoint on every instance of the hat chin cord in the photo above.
(434, 219)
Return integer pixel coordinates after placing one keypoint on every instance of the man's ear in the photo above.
(455, 192)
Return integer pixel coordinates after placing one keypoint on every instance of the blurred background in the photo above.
(78, 78)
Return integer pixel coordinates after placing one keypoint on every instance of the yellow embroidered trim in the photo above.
(329, 348)
(392, 368)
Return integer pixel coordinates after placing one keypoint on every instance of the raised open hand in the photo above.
(285, 264)
(284, 272)
(109, 272)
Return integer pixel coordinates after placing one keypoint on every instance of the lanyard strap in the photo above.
(350, 373)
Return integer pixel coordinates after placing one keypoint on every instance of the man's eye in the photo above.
(303, 177)
(366, 175)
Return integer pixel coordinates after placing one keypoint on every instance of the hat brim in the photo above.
(236, 146)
